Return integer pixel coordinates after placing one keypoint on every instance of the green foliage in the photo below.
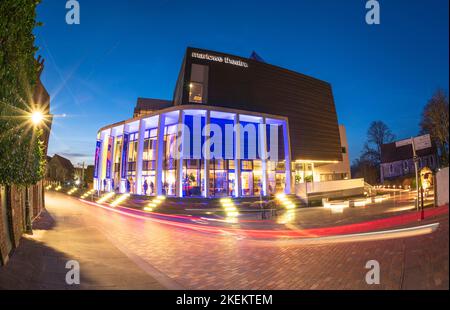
(308, 178)
(21, 151)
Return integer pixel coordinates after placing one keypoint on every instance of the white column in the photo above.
(313, 172)
(140, 152)
(263, 156)
(287, 156)
(237, 157)
(111, 172)
(102, 159)
(122, 183)
(180, 135)
(159, 153)
(207, 154)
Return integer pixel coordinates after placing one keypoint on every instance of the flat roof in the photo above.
(193, 107)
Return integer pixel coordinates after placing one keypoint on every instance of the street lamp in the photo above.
(36, 118)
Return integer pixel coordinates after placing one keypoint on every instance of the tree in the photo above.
(367, 166)
(362, 168)
(435, 122)
(377, 135)
(21, 152)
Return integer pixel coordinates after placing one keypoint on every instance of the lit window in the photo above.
(196, 92)
(198, 86)
(247, 165)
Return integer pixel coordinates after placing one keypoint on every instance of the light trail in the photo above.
(356, 228)
(370, 236)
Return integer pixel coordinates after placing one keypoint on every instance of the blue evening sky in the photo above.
(127, 49)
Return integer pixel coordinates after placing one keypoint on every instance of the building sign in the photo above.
(222, 59)
(97, 158)
(109, 157)
(124, 155)
(420, 142)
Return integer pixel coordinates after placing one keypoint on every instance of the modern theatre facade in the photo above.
(235, 127)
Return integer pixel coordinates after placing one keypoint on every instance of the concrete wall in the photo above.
(352, 186)
(442, 187)
(337, 168)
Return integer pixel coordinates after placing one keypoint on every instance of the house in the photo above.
(397, 158)
(60, 169)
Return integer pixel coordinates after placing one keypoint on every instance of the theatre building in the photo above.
(235, 127)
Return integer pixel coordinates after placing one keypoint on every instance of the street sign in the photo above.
(420, 142)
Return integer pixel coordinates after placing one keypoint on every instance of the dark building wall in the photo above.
(260, 87)
(145, 106)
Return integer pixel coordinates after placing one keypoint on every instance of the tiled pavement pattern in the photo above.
(202, 261)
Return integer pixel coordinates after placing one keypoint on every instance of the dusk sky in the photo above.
(123, 50)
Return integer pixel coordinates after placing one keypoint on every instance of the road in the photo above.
(182, 258)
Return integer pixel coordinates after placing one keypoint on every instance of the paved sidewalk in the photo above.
(183, 258)
(61, 235)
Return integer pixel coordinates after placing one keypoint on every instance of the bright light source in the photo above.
(290, 206)
(280, 196)
(37, 117)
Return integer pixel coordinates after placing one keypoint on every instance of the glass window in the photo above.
(192, 177)
(246, 165)
(196, 92)
(199, 83)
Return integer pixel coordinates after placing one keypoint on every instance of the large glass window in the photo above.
(170, 162)
(131, 169)
(116, 164)
(148, 162)
(276, 177)
(218, 178)
(196, 92)
(199, 84)
(251, 177)
(192, 177)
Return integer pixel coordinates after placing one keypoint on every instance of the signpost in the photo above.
(416, 161)
(418, 143)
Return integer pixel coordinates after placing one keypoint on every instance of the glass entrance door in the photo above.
(247, 183)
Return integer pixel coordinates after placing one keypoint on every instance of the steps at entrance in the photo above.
(175, 204)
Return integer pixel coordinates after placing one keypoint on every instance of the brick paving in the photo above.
(196, 260)
(61, 235)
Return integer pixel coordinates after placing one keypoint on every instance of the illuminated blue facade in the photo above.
(195, 151)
